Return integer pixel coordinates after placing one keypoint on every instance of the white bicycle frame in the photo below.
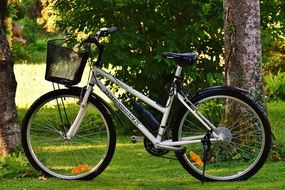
(157, 141)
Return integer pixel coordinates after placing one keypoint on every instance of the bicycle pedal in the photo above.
(136, 138)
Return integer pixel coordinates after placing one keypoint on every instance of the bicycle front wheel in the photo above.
(245, 130)
(45, 125)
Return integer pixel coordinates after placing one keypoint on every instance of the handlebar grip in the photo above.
(105, 31)
(101, 33)
(112, 30)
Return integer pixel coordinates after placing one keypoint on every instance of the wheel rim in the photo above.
(62, 158)
(243, 147)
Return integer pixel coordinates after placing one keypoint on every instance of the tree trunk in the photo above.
(243, 46)
(9, 128)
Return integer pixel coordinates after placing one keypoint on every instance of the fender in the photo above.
(103, 103)
(200, 94)
(220, 88)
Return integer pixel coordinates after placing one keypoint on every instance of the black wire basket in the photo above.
(65, 62)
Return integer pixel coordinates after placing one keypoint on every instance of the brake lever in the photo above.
(105, 31)
(102, 32)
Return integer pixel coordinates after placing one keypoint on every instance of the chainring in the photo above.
(156, 151)
(152, 150)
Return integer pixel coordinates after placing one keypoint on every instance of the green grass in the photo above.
(132, 167)
(276, 110)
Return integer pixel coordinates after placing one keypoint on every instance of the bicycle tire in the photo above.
(247, 139)
(84, 156)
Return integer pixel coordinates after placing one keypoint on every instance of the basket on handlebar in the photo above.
(65, 62)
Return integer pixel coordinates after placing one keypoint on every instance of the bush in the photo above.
(275, 85)
(34, 49)
(32, 52)
(16, 165)
(274, 58)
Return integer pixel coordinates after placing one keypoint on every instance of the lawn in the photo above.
(32, 83)
(132, 167)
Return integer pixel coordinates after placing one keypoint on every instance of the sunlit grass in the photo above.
(32, 84)
(133, 168)
(70, 148)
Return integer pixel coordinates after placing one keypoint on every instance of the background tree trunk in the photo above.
(9, 128)
(243, 46)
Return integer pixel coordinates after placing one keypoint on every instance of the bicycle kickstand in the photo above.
(206, 147)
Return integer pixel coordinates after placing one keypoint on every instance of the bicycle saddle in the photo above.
(182, 59)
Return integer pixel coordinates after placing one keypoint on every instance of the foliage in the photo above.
(23, 14)
(16, 165)
(275, 85)
(273, 40)
(34, 50)
(273, 23)
(274, 58)
(147, 28)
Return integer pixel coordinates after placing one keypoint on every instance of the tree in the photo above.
(243, 46)
(146, 28)
(9, 128)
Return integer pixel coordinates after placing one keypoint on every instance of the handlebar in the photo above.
(101, 33)
(95, 40)
(106, 31)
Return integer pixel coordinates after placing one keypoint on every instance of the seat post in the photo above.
(178, 71)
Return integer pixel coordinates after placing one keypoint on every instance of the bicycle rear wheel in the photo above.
(246, 132)
(44, 140)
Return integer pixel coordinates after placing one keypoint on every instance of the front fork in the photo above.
(81, 114)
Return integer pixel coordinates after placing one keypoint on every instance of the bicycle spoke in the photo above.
(240, 151)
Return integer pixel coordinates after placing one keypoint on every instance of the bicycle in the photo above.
(217, 134)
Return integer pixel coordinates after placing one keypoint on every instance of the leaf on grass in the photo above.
(79, 169)
(43, 178)
(197, 159)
